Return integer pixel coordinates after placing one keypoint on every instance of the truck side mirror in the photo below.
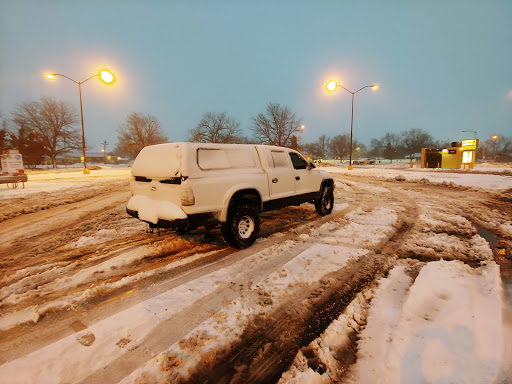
(311, 166)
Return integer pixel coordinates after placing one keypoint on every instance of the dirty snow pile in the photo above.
(444, 325)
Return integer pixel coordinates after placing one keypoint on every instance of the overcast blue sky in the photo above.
(442, 66)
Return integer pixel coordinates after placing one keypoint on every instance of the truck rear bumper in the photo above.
(191, 221)
(161, 223)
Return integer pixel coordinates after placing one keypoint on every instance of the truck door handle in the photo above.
(297, 177)
(275, 180)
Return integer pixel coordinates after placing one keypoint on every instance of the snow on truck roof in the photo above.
(170, 159)
(158, 160)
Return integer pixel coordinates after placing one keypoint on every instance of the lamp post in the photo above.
(471, 131)
(301, 129)
(105, 76)
(104, 150)
(331, 87)
(494, 144)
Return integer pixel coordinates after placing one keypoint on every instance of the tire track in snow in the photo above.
(262, 354)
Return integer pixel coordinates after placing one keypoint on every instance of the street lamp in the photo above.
(494, 144)
(301, 129)
(331, 87)
(105, 76)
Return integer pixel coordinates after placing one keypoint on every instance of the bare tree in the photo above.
(498, 147)
(415, 139)
(375, 148)
(53, 124)
(276, 126)
(322, 143)
(216, 128)
(310, 149)
(391, 146)
(138, 132)
(3, 134)
(359, 149)
(506, 146)
(339, 146)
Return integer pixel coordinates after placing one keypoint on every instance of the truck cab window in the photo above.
(298, 162)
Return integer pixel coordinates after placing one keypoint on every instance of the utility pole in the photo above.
(104, 150)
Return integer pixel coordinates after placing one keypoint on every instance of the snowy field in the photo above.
(429, 306)
(498, 177)
(55, 180)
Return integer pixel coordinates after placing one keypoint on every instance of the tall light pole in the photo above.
(470, 131)
(494, 144)
(105, 76)
(331, 87)
(301, 129)
(104, 150)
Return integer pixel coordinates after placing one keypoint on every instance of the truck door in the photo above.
(278, 166)
(306, 180)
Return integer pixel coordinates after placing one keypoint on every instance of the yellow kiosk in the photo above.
(457, 156)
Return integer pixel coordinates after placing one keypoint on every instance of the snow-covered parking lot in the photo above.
(406, 282)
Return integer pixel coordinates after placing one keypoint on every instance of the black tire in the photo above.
(325, 203)
(242, 226)
(183, 230)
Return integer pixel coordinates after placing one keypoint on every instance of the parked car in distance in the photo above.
(364, 162)
(186, 185)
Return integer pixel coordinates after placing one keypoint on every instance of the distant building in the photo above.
(93, 157)
(457, 156)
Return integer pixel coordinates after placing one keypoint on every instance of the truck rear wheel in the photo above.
(325, 203)
(242, 226)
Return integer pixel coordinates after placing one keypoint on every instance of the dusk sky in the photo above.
(442, 66)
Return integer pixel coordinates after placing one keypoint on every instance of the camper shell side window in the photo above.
(219, 158)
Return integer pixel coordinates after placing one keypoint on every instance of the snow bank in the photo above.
(446, 328)
(475, 180)
(49, 181)
(443, 326)
(98, 237)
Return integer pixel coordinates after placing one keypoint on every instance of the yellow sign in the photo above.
(469, 144)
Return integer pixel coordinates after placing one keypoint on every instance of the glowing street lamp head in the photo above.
(50, 76)
(106, 76)
(375, 86)
(331, 86)
(495, 137)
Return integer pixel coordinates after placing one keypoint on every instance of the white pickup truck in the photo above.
(185, 185)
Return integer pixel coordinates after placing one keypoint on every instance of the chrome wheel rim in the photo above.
(245, 227)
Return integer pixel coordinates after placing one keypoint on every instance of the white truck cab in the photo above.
(185, 185)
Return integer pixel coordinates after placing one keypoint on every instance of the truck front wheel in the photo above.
(242, 226)
(325, 203)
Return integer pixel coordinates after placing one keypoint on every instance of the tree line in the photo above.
(49, 128)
